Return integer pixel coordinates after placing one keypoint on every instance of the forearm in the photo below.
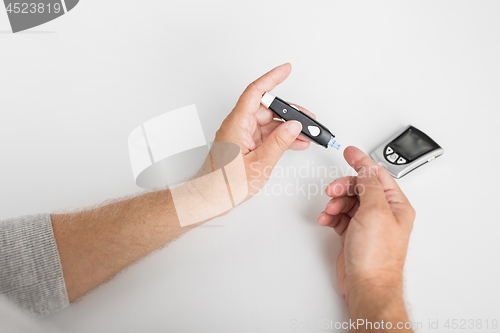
(96, 244)
(382, 306)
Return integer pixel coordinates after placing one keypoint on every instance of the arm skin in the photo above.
(96, 244)
(374, 219)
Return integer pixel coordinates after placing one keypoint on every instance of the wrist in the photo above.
(369, 285)
(378, 300)
(201, 199)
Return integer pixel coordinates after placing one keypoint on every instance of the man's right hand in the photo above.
(374, 219)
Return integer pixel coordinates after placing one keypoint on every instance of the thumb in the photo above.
(271, 150)
(370, 190)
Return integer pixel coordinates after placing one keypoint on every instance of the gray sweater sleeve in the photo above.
(30, 268)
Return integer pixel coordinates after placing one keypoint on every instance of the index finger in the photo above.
(252, 95)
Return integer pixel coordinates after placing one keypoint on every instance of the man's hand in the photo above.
(374, 219)
(261, 138)
(95, 244)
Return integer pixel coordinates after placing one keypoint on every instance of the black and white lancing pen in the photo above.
(311, 128)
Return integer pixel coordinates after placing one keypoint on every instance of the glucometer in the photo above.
(311, 128)
(406, 151)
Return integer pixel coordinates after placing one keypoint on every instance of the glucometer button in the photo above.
(389, 151)
(401, 161)
(392, 158)
(313, 130)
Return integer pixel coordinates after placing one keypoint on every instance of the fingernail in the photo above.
(294, 127)
(327, 187)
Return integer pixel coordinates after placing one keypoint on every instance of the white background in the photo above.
(73, 89)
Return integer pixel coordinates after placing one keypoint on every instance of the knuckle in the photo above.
(252, 86)
(376, 167)
(280, 143)
(413, 212)
(380, 211)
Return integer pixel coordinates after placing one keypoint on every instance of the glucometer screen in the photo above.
(412, 145)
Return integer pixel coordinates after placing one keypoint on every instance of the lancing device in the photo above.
(311, 128)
